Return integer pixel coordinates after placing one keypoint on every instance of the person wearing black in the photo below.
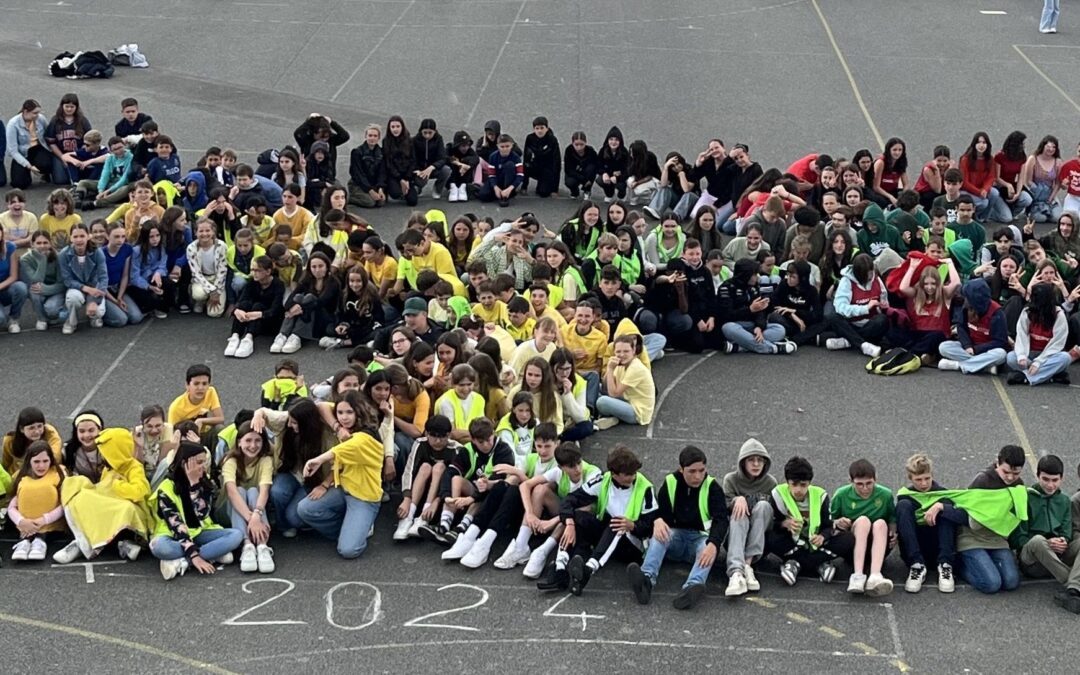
(429, 157)
(318, 127)
(797, 305)
(367, 171)
(542, 159)
(711, 165)
(744, 311)
(685, 530)
(462, 160)
(614, 165)
(400, 162)
(701, 299)
(580, 164)
(259, 309)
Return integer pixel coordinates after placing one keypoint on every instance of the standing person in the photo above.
(184, 533)
(1050, 13)
(25, 137)
(690, 526)
(542, 159)
(747, 490)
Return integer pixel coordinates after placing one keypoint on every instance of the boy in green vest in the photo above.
(1043, 539)
(503, 509)
(926, 532)
(625, 510)
(690, 526)
(540, 496)
(801, 524)
(285, 387)
(1069, 597)
(863, 513)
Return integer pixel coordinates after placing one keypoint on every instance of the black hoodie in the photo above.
(305, 137)
(614, 161)
(804, 298)
(583, 167)
(737, 293)
(486, 148)
(468, 157)
(429, 153)
(367, 170)
(542, 157)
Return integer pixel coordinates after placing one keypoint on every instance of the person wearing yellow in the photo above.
(588, 344)
(185, 535)
(631, 393)
(519, 324)
(539, 301)
(143, 207)
(97, 513)
(381, 267)
(428, 255)
(294, 215)
(199, 402)
(541, 344)
(490, 309)
(461, 404)
(30, 426)
(35, 507)
(347, 511)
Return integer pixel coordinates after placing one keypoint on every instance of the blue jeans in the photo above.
(915, 539)
(683, 546)
(1043, 210)
(339, 515)
(235, 287)
(285, 494)
(953, 350)
(665, 199)
(592, 387)
(991, 207)
(251, 498)
(59, 173)
(1054, 364)
(1050, 13)
(990, 570)
(1020, 206)
(12, 299)
(654, 344)
(741, 334)
(609, 406)
(49, 308)
(116, 317)
(212, 544)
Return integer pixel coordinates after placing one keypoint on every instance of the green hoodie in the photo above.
(1048, 515)
(885, 237)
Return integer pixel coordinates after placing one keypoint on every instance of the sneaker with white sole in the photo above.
(68, 554)
(461, 547)
(916, 577)
(41, 325)
(535, 566)
(652, 212)
(13, 327)
(789, 572)
(289, 533)
(826, 571)
(68, 329)
(160, 314)
(232, 344)
(292, 344)
(603, 423)
(97, 323)
(836, 344)
(247, 558)
(170, 569)
(38, 549)
(329, 342)
(128, 549)
(403, 527)
(22, 551)
(414, 529)
(463, 194)
(736, 585)
(513, 556)
(870, 349)
(786, 347)
(948, 364)
(752, 584)
(856, 583)
(478, 554)
(226, 559)
(877, 586)
(278, 343)
(265, 557)
(245, 348)
(945, 581)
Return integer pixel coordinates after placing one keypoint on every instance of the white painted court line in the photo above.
(375, 48)
(108, 371)
(1046, 77)
(993, 12)
(494, 66)
(671, 385)
(894, 628)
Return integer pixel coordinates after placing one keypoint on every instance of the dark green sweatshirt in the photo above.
(1048, 515)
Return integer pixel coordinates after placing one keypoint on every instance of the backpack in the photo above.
(894, 362)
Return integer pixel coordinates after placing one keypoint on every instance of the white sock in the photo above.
(561, 558)
(412, 511)
(549, 544)
(488, 537)
(523, 536)
(447, 519)
(466, 522)
(593, 564)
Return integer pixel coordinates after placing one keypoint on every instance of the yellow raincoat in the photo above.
(97, 512)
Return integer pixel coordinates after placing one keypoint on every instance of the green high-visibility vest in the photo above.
(473, 455)
(587, 470)
(817, 498)
(999, 511)
(637, 496)
(703, 498)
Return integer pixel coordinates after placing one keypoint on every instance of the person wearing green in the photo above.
(988, 564)
(966, 227)
(864, 514)
(876, 235)
(802, 526)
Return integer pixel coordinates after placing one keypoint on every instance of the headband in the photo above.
(89, 417)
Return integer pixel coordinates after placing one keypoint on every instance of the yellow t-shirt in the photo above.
(379, 273)
(298, 221)
(496, 315)
(183, 409)
(439, 259)
(59, 228)
(262, 474)
(436, 313)
(640, 389)
(527, 350)
(594, 343)
(523, 332)
(26, 226)
(550, 311)
(263, 230)
(358, 463)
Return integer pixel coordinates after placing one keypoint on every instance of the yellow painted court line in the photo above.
(119, 642)
(851, 78)
(1044, 76)
(1018, 426)
(865, 648)
(832, 632)
(763, 603)
(798, 618)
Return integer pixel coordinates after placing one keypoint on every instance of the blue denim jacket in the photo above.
(18, 137)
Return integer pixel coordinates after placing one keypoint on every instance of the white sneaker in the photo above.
(289, 533)
(199, 307)
(22, 551)
(232, 344)
(871, 350)
(68, 554)
(652, 212)
(13, 327)
(292, 344)
(265, 556)
(41, 325)
(245, 348)
(535, 567)
(603, 423)
(836, 344)
(478, 554)
(279, 342)
(945, 581)
(97, 323)
(916, 577)
(247, 558)
(68, 328)
(226, 559)
(752, 584)
(170, 569)
(877, 586)
(129, 550)
(736, 585)
(948, 364)
(160, 314)
(513, 556)
(38, 549)
(329, 343)
(403, 527)
(856, 583)
(463, 193)
(414, 529)
(461, 547)
(786, 347)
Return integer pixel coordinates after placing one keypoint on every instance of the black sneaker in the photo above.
(579, 575)
(689, 596)
(434, 533)
(185, 309)
(1068, 599)
(1061, 378)
(1016, 378)
(639, 583)
(554, 580)
(504, 203)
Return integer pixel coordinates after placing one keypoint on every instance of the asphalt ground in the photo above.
(766, 73)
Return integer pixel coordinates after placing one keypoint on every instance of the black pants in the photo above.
(917, 341)
(611, 188)
(780, 544)
(546, 182)
(872, 331)
(799, 337)
(502, 510)
(595, 538)
(255, 327)
(577, 183)
(40, 157)
(394, 191)
(152, 302)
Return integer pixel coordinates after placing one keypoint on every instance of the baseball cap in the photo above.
(414, 306)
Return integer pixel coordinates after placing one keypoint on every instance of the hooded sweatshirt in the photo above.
(367, 170)
(842, 299)
(429, 152)
(486, 148)
(1048, 515)
(1058, 245)
(467, 156)
(583, 167)
(542, 156)
(737, 293)
(804, 298)
(988, 332)
(738, 484)
(884, 237)
(199, 200)
(618, 160)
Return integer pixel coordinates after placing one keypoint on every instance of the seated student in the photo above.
(84, 273)
(541, 159)
(747, 489)
(877, 236)
(587, 343)
(1039, 352)
(926, 531)
(503, 509)
(744, 312)
(286, 385)
(746, 246)
(291, 213)
(154, 442)
(630, 393)
(864, 516)
(796, 305)
(519, 324)
(939, 228)
(239, 257)
(199, 403)
(690, 526)
(467, 482)
(209, 270)
(504, 173)
(246, 474)
(166, 163)
(461, 404)
(184, 534)
(18, 223)
(259, 309)
(428, 459)
(1044, 540)
(131, 121)
(35, 507)
(928, 302)
(986, 561)
(309, 309)
(665, 243)
(516, 428)
(30, 426)
(801, 527)
(489, 309)
(1069, 597)
(981, 332)
(625, 508)
(85, 163)
(859, 306)
(541, 295)
(807, 224)
(965, 225)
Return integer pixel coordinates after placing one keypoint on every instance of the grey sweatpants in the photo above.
(1037, 560)
(746, 536)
